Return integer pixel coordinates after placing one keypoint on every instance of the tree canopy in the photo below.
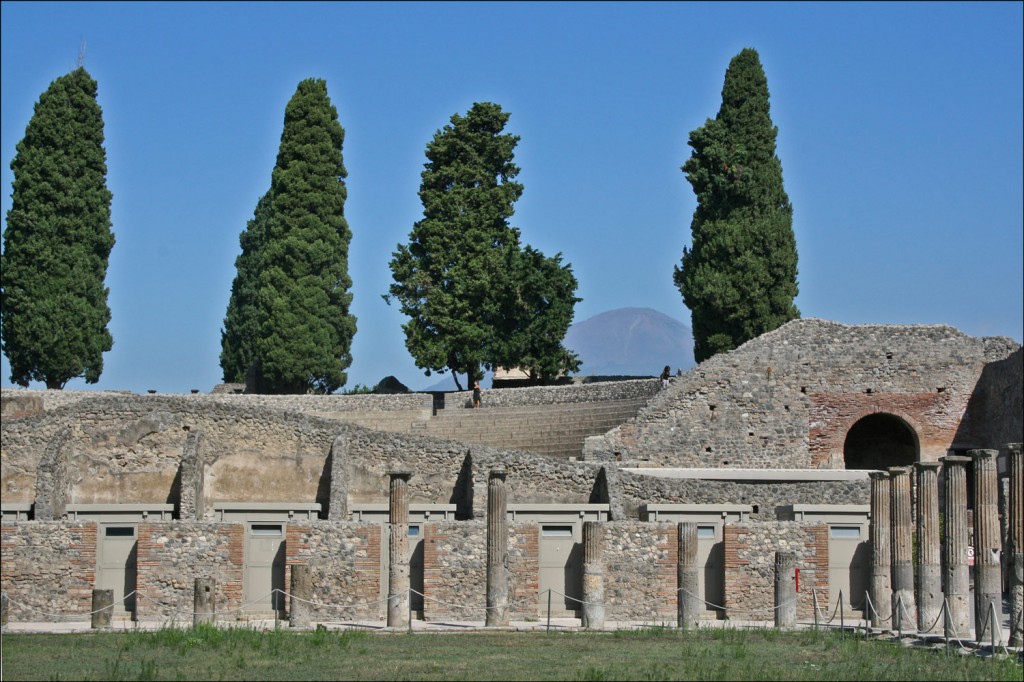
(463, 279)
(58, 240)
(739, 277)
(288, 328)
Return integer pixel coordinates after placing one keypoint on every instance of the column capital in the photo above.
(955, 460)
(497, 473)
(982, 454)
(400, 474)
(878, 475)
(927, 465)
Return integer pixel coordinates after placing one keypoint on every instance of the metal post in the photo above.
(842, 617)
(549, 609)
(814, 595)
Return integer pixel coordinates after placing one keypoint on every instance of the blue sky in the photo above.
(900, 136)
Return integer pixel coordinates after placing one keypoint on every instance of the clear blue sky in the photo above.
(900, 135)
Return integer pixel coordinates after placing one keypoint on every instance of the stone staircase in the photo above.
(556, 429)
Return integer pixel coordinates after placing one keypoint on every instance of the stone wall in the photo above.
(753, 407)
(636, 389)
(634, 489)
(750, 549)
(455, 570)
(172, 555)
(997, 404)
(49, 567)
(640, 569)
(344, 561)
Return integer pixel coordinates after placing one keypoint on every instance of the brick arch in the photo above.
(878, 439)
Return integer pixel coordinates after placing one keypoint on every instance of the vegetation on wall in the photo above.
(476, 299)
(58, 241)
(288, 328)
(739, 277)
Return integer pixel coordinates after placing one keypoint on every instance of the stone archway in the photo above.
(880, 441)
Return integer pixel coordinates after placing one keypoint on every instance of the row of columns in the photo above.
(942, 560)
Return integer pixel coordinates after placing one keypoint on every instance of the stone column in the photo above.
(956, 580)
(301, 594)
(102, 608)
(785, 589)
(398, 550)
(1016, 543)
(929, 548)
(902, 549)
(593, 575)
(988, 584)
(204, 601)
(688, 577)
(880, 587)
(497, 549)
(5, 607)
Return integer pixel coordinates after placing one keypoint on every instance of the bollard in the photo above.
(203, 601)
(301, 594)
(785, 589)
(102, 608)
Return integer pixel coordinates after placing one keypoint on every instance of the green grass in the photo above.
(207, 653)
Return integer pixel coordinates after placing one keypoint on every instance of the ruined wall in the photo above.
(634, 489)
(344, 562)
(754, 407)
(640, 571)
(636, 389)
(997, 405)
(48, 567)
(750, 566)
(455, 570)
(172, 555)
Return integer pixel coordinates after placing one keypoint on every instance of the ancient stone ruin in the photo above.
(820, 447)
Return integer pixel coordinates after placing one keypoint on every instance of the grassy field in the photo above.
(206, 653)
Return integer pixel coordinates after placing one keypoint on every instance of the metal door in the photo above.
(264, 567)
(116, 564)
(849, 567)
(560, 567)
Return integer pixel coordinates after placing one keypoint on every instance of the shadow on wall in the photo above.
(995, 411)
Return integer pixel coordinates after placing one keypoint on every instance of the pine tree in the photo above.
(458, 276)
(58, 240)
(739, 278)
(288, 322)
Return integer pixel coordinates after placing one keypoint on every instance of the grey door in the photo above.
(264, 567)
(116, 564)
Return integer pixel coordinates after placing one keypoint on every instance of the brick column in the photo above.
(956, 580)
(398, 550)
(1016, 542)
(880, 588)
(593, 575)
(497, 549)
(929, 548)
(902, 549)
(988, 588)
(688, 577)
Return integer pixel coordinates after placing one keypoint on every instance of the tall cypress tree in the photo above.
(58, 240)
(475, 299)
(288, 322)
(739, 278)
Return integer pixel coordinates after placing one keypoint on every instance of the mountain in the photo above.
(631, 342)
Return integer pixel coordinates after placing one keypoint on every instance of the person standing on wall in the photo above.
(476, 394)
(665, 374)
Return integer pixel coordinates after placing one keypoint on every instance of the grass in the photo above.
(208, 653)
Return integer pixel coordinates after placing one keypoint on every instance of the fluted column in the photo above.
(929, 548)
(1016, 542)
(497, 549)
(398, 549)
(956, 581)
(902, 549)
(880, 587)
(988, 587)
(785, 589)
(593, 575)
(688, 578)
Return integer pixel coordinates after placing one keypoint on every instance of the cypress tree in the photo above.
(468, 288)
(288, 322)
(57, 241)
(739, 277)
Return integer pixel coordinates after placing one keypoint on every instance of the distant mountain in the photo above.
(631, 342)
(621, 342)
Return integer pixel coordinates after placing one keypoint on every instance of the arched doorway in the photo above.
(880, 441)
